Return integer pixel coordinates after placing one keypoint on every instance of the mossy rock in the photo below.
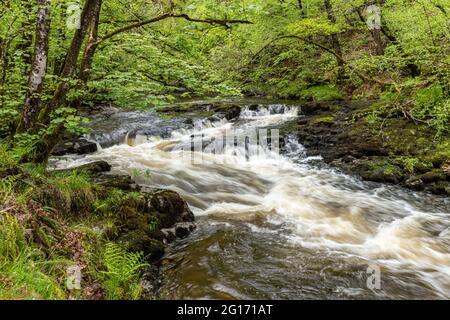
(131, 219)
(387, 174)
(171, 208)
(439, 158)
(324, 120)
(433, 176)
(139, 241)
(414, 183)
(441, 187)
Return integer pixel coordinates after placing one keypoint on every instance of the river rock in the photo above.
(95, 167)
(233, 113)
(414, 183)
(74, 146)
(180, 230)
(139, 241)
(155, 218)
(172, 209)
(124, 183)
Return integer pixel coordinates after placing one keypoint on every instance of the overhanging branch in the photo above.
(224, 23)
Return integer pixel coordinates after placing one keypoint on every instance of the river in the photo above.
(281, 226)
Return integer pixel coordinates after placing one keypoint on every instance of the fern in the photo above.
(122, 275)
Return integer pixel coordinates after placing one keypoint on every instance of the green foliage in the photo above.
(73, 192)
(411, 164)
(68, 118)
(322, 93)
(23, 272)
(110, 204)
(312, 27)
(121, 279)
(433, 107)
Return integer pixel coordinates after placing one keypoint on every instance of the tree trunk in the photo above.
(91, 46)
(33, 101)
(46, 144)
(70, 63)
(334, 39)
(379, 47)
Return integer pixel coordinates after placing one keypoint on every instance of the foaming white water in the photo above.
(272, 111)
(318, 208)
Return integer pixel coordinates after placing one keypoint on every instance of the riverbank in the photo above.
(376, 144)
(84, 233)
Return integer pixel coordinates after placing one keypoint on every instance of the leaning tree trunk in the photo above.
(33, 101)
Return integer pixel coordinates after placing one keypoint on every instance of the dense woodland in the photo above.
(58, 57)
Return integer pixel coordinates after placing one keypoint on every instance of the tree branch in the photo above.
(224, 23)
(321, 46)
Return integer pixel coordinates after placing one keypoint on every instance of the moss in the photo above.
(414, 164)
(440, 154)
(140, 241)
(324, 120)
(433, 176)
(322, 93)
(381, 171)
(166, 116)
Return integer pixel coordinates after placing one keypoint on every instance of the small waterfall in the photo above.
(267, 111)
(262, 215)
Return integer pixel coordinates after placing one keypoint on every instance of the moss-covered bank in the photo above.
(377, 143)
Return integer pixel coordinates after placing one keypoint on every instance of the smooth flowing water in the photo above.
(274, 226)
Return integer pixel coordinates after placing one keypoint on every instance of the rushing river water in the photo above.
(274, 226)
